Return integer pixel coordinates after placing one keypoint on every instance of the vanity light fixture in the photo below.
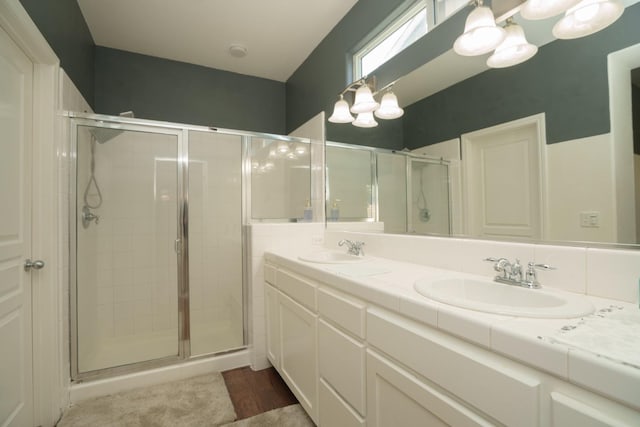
(582, 17)
(341, 113)
(365, 105)
(543, 9)
(389, 108)
(481, 34)
(365, 120)
(588, 17)
(514, 49)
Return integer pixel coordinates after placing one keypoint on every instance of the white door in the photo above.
(16, 408)
(503, 180)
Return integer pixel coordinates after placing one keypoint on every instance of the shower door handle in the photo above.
(177, 246)
(36, 265)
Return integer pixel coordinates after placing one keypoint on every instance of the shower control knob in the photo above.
(36, 265)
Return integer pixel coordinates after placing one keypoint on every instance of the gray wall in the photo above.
(63, 26)
(160, 89)
(315, 85)
(567, 80)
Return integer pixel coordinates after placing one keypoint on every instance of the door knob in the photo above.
(36, 265)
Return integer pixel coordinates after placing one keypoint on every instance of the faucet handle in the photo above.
(533, 265)
(491, 259)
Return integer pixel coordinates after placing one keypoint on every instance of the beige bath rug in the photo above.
(289, 416)
(197, 401)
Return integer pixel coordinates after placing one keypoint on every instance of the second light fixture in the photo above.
(365, 106)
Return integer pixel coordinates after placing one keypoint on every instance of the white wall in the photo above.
(604, 273)
(296, 238)
(580, 179)
(314, 130)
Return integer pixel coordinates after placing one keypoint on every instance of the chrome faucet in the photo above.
(88, 217)
(353, 248)
(512, 273)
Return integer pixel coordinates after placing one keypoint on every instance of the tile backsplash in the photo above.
(607, 273)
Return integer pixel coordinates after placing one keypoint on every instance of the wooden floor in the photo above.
(255, 392)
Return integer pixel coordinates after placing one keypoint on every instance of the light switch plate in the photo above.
(590, 219)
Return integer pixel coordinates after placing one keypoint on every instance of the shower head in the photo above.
(103, 135)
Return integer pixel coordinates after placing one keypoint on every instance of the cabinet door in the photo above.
(335, 411)
(566, 411)
(341, 362)
(298, 357)
(397, 398)
(272, 324)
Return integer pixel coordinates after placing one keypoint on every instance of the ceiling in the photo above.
(278, 34)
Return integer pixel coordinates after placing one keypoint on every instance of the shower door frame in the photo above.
(181, 132)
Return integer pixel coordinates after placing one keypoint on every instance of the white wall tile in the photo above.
(570, 265)
(613, 274)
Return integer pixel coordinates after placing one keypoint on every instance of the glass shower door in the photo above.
(215, 242)
(126, 235)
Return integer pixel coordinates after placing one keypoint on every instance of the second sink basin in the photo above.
(492, 297)
(330, 257)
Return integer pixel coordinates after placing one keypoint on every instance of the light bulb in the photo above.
(543, 9)
(341, 112)
(481, 35)
(588, 17)
(364, 102)
(389, 108)
(513, 50)
(365, 120)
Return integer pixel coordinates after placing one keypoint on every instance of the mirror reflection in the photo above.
(544, 150)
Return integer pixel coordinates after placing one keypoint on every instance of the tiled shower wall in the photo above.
(126, 263)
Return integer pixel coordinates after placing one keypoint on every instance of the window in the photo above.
(408, 27)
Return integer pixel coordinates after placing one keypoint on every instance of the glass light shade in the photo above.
(300, 149)
(543, 9)
(481, 35)
(513, 50)
(283, 147)
(588, 17)
(389, 108)
(365, 120)
(341, 112)
(364, 102)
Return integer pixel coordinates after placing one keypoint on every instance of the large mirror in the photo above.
(542, 151)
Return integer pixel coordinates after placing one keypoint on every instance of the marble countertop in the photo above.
(599, 351)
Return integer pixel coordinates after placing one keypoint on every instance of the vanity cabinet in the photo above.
(292, 342)
(352, 363)
(341, 356)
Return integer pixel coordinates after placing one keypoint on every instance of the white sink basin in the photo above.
(330, 257)
(492, 297)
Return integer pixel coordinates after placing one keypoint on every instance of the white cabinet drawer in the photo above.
(345, 311)
(502, 389)
(334, 411)
(270, 273)
(342, 362)
(566, 411)
(397, 398)
(300, 289)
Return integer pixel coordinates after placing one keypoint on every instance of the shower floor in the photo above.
(112, 352)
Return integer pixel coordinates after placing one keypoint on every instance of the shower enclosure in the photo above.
(157, 253)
